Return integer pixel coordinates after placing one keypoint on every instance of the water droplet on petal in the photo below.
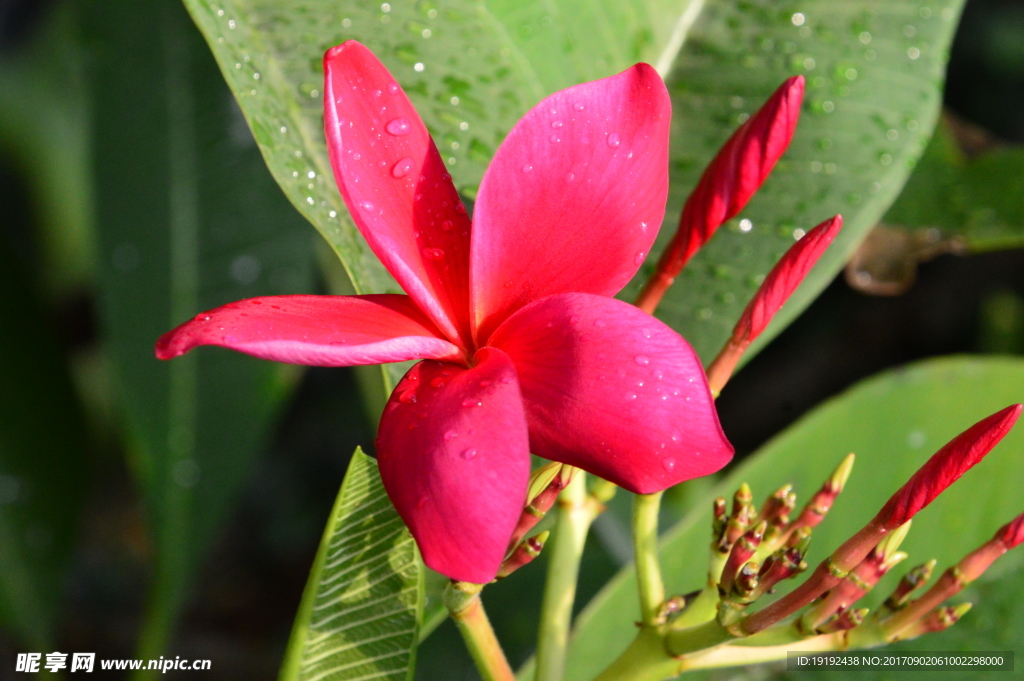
(460, 208)
(642, 360)
(527, 168)
(645, 332)
(469, 453)
(630, 396)
(402, 168)
(638, 259)
(399, 126)
(613, 140)
(393, 87)
(438, 382)
(433, 253)
(579, 106)
(472, 402)
(408, 397)
(569, 177)
(669, 463)
(556, 124)
(600, 323)
(450, 435)
(555, 138)
(447, 225)
(367, 206)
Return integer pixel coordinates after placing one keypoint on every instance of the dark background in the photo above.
(249, 588)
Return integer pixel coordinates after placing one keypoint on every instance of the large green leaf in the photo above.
(872, 99)
(360, 611)
(43, 460)
(188, 219)
(893, 422)
(472, 68)
(976, 200)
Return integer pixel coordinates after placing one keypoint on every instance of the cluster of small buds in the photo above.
(754, 550)
(853, 570)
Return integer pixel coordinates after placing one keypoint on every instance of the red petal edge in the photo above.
(454, 457)
(574, 196)
(613, 391)
(315, 330)
(395, 185)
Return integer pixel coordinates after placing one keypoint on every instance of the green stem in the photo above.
(483, 645)
(644, 660)
(645, 552)
(576, 512)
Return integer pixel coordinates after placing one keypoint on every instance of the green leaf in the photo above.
(44, 451)
(473, 68)
(188, 219)
(360, 611)
(893, 422)
(869, 109)
(976, 200)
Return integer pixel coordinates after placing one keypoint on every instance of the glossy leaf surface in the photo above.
(912, 411)
(359, 613)
(472, 69)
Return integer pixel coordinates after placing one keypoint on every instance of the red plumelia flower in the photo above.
(524, 347)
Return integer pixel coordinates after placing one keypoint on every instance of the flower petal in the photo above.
(574, 196)
(324, 331)
(396, 186)
(614, 391)
(454, 457)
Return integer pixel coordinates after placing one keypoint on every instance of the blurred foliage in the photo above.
(187, 219)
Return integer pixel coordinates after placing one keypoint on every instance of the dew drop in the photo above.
(645, 332)
(447, 225)
(579, 106)
(613, 140)
(630, 396)
(393, 87)
(556, 124)
(669, 463)
(527, 168)
(402, 168)
(433, 253)
(470, 402)
(367, 206)
(569, 177)
(438, 382)
(638, 259)
(450, 435)
(642, 360)
(408, 397)
(554, 138)
(399, 126)
(469, 453)
(460, 208)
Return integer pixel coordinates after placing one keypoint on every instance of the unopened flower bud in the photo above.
(736, 172)
(911, 581)
(774, 505)
(546, 483)
(843, 621)
(946, 466)
(742, 551)
(523, 554)
(776, 289)
(719, 518)
(820, 504)
(1012, 533)
(937, 620)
